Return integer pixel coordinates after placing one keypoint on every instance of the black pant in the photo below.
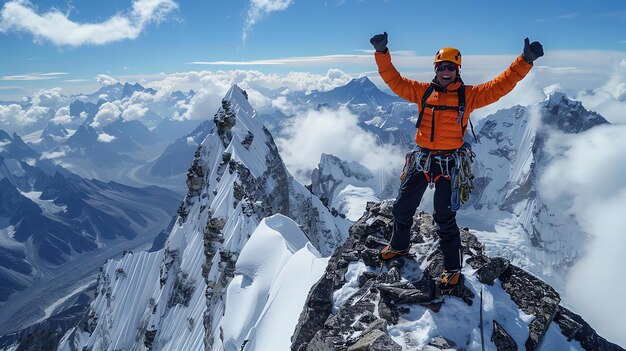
(410, 195)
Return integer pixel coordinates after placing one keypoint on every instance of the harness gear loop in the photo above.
(454, 165)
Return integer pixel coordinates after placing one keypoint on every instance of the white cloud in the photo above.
(55, 26)
(202, 106)
(283, 105)
(105, 138)
(589, 177)
(134, 112)
(62, 116)
(260, 9)
(310, 134)
(310, 60)
(211, 86)
(14, 116)
(50, 98)
(35, 76)
(51, 155)
(610, 99)
(105, 80)
(108, 113)
(8, 113)
(191, 142)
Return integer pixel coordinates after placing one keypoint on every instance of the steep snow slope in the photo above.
(509, 207)
(236, 179)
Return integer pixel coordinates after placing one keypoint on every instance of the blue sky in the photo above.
(178, 33)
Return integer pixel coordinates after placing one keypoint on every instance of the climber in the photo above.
(445, 105)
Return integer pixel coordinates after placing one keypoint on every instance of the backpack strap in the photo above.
(461, 93)
(429, 90)
(460, 108)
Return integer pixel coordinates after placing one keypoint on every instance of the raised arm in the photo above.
(407, 89)
(487, 93)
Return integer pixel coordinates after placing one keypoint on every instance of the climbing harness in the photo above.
(454, 165)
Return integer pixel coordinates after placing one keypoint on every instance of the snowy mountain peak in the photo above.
(54, 130)
(559, 97)
(211, 283)
(332, 165)
(359, 91)
(363, 82)
(14, 147)
(4, 136)
(568, 115)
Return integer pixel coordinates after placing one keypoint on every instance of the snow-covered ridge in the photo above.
(235, 181)
(516, 146)
(358, 306)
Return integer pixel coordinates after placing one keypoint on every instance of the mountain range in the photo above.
(58, 228)
(250, 250)
(253, 251)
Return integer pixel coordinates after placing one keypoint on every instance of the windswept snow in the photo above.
(274, 274)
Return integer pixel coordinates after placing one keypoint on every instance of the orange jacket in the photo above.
(448, 133)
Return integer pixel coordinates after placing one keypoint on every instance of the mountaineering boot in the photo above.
(388, 253)
(450, 280)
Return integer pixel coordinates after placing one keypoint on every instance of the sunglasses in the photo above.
(450, 68)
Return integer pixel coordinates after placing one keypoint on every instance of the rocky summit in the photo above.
(360, 305)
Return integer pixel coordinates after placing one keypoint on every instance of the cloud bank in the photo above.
(54, 26)
(336, 132)
(591, 178)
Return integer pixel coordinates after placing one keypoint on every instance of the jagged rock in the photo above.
(574, 327)
(477, 261)
(247, 141)
(492, 270)
(534, 297)
(441, 343)
(385, 296)
(502, 339)
(375, 340)
(569, 326)
(149, 338)
(225, 119)
(182, 291)
(318, 343)
(404, 292)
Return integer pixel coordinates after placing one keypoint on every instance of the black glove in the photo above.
(379, 41)
(532, 51)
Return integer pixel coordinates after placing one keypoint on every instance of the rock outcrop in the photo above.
(356, 305)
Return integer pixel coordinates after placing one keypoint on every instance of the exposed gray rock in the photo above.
(574, 327)
(502, 339)
(534, 297)
(441, 343)
(404, 292)
(247, 141)
(375, 340)
(492, 270)
(361, 323)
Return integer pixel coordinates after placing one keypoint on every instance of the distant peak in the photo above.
(560, 98)
(361, 81)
